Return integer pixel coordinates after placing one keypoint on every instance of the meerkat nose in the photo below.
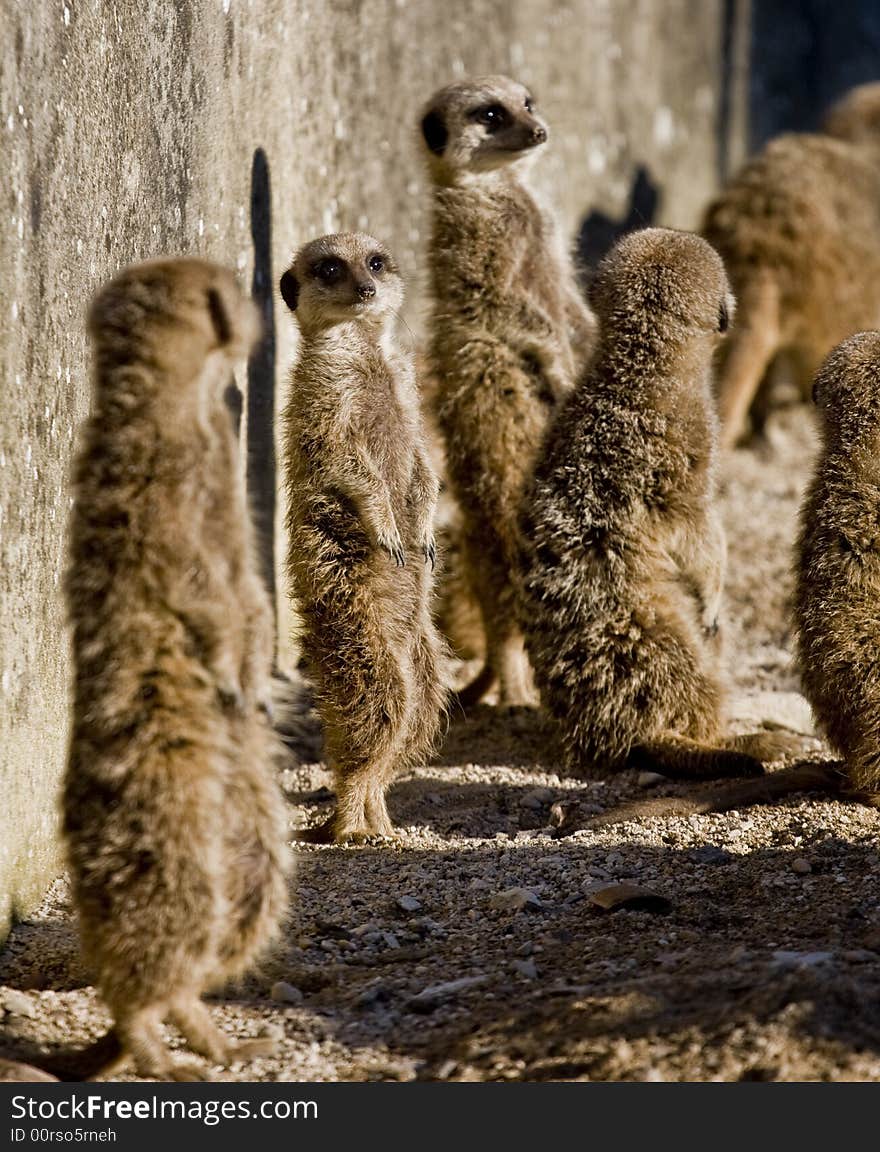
(539, 134)
(365, 291)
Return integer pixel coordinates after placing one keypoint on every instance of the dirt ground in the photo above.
(470, 948)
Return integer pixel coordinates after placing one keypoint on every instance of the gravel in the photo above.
(403, 961)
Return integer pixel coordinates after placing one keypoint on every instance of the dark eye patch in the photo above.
(329, 270)
(493, 117)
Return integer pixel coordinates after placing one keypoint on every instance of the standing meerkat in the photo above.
(509, 331)
(174, 824)
(799, 231)
(837, 590)
(361, 498)
(623, 553)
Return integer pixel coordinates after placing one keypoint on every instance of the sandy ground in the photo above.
(760, 962)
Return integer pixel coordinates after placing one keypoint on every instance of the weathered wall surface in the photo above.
(238, 130)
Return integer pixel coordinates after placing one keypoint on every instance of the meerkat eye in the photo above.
(492, 116)
(376, 264)
(529, 104)
(330, 270)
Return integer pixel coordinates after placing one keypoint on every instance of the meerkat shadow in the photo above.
(260, 448)
(489, 735)
(599, 232)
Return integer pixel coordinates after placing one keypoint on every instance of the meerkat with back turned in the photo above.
(174, 824)
(837, 590)
(799, 231)
(509, 330)
(622, 549)
(361, 498)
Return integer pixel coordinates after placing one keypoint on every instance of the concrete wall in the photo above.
(238, 130)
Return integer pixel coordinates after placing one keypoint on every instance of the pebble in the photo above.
(650, 779)
(391, 940)
(536, 798)
(286, 993)
(409, 904)
(372, 994)
(429, 998)
(525, 968)
(786, 959)
(17, 1004)
(514, 900)
(802, 866)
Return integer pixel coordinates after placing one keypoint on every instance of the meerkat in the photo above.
(509, 331)
(622, 548)
(799, 231)
(361, 497)
(174, 824)
(837, 589)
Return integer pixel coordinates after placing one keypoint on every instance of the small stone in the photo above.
(525, 949)
(525, 968)
(409, 904)
(372, 994)
(709, 854)
(446, 1069)
(650, 779)
(786, 959)
(17, 1004)
(391, 940)
(514, 900)
(11, 1071)
(536, 798)
(429, 998)
(285, 993)
(613, 896)
(273, 1030)
(802, 866)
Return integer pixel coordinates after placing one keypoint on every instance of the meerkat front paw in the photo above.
(429, 550)
(391, 543)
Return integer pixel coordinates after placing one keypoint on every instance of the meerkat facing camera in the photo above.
(622, 549)
(174, 824)
(799, 231)
(361, 498)
(509, 331)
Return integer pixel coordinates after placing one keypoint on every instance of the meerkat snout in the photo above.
(480, 125)
(341, 278)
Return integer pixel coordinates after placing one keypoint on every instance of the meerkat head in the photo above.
(342, 278)
(172, 312)
(479, 125)
(856, 116)
(847, 388)
(666, 284)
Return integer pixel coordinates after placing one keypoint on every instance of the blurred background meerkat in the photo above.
(799, 231)
(361, 500)
(174, 823)
(623, 552)
(509, 331)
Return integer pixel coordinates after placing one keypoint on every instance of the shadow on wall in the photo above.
(261, 463)
(804, 55)
(599, 233)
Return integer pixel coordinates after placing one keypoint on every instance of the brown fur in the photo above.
(799, 231)
(509, 330)
(175, 826)
(361, 499)
(837, 591)
(623, 552)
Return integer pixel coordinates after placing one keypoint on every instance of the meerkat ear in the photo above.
(723, 317)
(434, 132)
(219, 316)
(289, 286)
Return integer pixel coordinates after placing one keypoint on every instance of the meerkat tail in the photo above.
(753, 343)
(473, 693)
(682, 758)
(78, 1064)
(295, 718)
(768, 746)
(827, 778)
